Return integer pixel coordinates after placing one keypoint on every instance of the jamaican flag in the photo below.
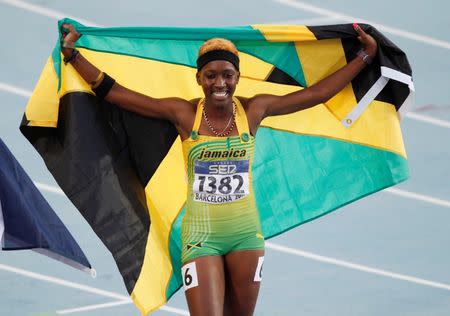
(126, 175)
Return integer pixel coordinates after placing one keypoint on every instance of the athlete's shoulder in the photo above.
(255, 103)
(179, 102)
(193, 103)
(243, 101)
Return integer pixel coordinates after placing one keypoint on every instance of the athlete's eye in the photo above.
(228, 74)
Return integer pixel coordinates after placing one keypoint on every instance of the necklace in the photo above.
(228, 128)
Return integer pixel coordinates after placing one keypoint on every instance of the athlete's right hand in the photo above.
(73, 34)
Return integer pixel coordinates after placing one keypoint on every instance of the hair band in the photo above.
(217, 55)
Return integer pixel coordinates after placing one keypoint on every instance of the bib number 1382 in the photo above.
(220, 181)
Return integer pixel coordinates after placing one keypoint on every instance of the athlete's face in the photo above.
(218, 79)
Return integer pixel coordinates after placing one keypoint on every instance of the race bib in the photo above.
(219, 182)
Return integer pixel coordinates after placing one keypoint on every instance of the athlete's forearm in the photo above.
(331, 85)
(86, 70)
(316, 94)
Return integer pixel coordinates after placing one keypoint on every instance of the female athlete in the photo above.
(223, 245)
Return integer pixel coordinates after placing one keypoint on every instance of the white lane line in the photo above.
(62, 282)
(87, 308)
(175, 310)
(45, 11)
(92, 307)
(428, 119)
(355, 266)
(383, 28)
(82, 287)
(410, 115)
(418, 197)
(311, 8)
(14, 90)
(311, 21)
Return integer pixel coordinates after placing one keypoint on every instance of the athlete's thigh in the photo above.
(243, 279)
(204, 284)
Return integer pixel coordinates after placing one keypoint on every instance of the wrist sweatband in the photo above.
(104, 87)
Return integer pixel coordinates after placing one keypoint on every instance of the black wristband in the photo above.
(104, 87)
(71, 57)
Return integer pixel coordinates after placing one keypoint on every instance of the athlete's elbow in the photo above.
(313, 96)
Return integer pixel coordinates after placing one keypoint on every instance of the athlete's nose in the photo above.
(219, 82)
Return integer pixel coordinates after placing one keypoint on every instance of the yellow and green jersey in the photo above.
(221, 212)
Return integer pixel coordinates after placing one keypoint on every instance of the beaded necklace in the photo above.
(228, 128)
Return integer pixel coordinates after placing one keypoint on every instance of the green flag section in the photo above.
(126, 175)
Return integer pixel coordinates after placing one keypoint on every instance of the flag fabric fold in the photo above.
(28, 222)
(125, 173)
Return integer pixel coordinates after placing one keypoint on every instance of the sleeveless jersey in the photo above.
(220, 208)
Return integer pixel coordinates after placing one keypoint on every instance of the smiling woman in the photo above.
(222, 240)
(208, 233)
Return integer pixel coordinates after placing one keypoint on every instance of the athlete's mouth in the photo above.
(220, 94)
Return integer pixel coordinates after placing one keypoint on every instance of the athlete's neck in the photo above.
(218, 110)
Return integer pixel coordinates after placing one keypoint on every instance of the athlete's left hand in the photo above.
(370, 44)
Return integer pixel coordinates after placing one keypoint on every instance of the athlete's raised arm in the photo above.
(269, 105)
(168, 108)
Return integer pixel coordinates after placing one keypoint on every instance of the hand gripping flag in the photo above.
(125, 173)
(28, 222)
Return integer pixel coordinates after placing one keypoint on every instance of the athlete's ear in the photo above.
(197, 76)
(238, 76)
